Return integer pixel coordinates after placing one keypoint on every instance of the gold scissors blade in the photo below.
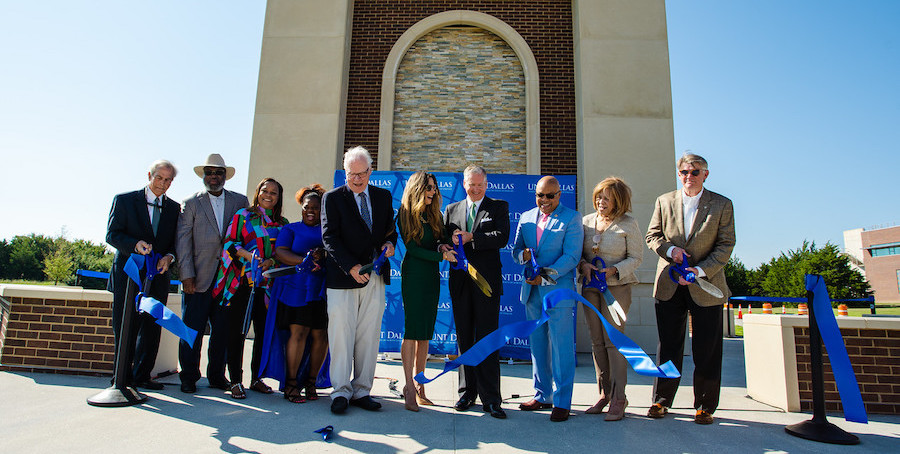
(480, 281)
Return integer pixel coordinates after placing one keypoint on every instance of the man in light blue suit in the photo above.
(552, 233)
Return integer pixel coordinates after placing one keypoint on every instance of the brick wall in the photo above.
(62, 336)
(875, 356)
(546, 25)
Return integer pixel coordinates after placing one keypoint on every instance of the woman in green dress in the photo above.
(421, 228)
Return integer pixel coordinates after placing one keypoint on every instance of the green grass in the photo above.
(851, 312)
(25, 282)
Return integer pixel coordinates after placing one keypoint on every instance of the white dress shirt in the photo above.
(218, 207)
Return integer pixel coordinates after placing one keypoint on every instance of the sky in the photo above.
(796, 106)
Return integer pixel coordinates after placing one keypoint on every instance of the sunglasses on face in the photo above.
(694, 172)
(549, 196)
(217, 172)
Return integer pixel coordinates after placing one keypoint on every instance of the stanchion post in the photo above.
(121, 394)
(818, 428)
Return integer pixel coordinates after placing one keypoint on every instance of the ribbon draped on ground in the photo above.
(149, 305)
(636, 357)
(848, 388)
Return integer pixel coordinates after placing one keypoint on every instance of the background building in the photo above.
(572, 87)
(882, 262)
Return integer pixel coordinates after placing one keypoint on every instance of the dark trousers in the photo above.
(143, 343)
(476, 316)
(234, 315)
(198, 309)
(706, 348)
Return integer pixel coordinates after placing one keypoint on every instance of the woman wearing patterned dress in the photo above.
(421, 228)
(612, 235)
(250, 239)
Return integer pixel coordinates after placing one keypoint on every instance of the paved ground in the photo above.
(48, 413)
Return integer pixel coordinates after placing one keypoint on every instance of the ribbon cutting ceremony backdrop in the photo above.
(518, 191)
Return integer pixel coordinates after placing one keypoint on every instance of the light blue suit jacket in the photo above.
(560, 247)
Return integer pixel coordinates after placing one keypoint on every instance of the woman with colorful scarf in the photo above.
(248, 251)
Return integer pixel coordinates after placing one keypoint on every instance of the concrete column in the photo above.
(624, 119)
(298, 127)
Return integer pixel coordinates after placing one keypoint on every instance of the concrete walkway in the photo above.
(47, 413)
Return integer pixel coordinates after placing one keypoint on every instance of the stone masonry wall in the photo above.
(546, 26)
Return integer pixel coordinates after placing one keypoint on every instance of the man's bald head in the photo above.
(547, 194)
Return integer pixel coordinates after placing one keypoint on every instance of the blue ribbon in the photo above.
(636, 357)
(149, 305)
(848, 388)
(327, 432)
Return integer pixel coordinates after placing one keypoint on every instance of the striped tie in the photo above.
(364, 210)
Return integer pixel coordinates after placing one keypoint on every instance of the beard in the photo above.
(214, 188)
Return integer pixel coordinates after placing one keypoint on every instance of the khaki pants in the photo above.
(354, 332)
(610, 365)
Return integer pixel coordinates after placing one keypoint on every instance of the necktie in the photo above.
(542, 222)
(470, 222)
(154, 221)
(364, 210)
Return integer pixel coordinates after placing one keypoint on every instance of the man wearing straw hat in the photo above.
(201, 230)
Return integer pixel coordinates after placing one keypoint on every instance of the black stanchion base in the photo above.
(822, 431)
(115, 397)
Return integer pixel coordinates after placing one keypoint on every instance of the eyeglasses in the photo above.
(217, 172)
(358, 174)
(429, 187)
(549, 196)
(694, 172)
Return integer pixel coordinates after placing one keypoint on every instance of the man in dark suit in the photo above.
(357, 224)
(201, 232)
(142, 222)
(696, 225)
(483, 223)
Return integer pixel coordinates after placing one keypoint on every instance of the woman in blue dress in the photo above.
(298, 311)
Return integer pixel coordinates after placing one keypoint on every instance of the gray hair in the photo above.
(163, 164)
(473, 170)
(356, 154)
(693, 159)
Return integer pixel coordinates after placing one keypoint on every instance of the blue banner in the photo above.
(518, 191)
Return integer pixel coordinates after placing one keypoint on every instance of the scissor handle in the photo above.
(683, 271)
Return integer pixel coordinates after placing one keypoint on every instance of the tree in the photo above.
(58, 266)
(26, 257)
(785, 276)
(738, 277)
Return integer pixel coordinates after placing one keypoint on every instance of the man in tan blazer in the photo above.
(201, 229)
(696, 225)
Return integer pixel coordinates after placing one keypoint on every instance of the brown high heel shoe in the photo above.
(409, 397)
(598, 407)
(420, 396)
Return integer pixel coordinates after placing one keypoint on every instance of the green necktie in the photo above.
(470, 222)
(154, 221)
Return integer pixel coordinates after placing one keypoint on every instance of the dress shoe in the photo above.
(703, 417)
(410, 398)
(616, 410)
(189, 388)
(494, 410)
(238, 391)
(150, 384)
(533, 405)
(366, 403)
(598, 407)
(463, 404)
(657, 411)
(339, 405)
(559, 414)
(420, 396)
(217, 384)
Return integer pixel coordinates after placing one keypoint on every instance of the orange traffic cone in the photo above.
(749, 309)
(740, 314)
(783, 309)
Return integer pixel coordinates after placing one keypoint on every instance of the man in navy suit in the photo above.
(483, 223)
(142, 222)
(552, 234)
(357, 225)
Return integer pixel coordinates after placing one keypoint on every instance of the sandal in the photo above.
(310, 389)
(420, 396)
(238, 391)
(261, 387)
(292, 392)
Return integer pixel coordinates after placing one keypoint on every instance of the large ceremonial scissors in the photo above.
(256, 276)
(598, 281)
(462, 263)
(532, 269)
(376, 265)
(308, 265)
(689, 276)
